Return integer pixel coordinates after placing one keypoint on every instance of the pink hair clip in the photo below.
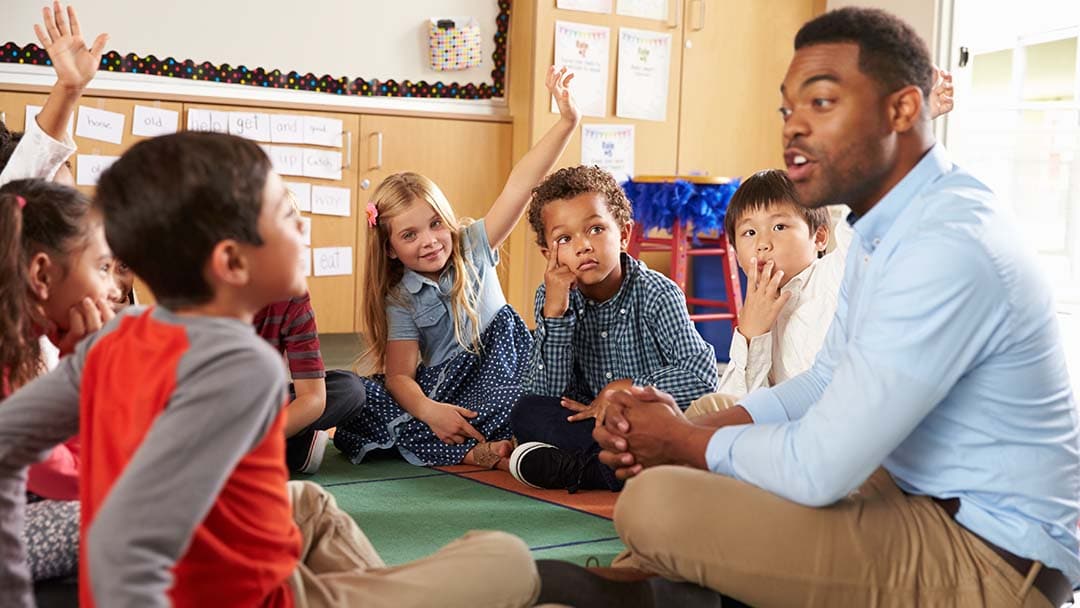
(21, 201)
(372, 215)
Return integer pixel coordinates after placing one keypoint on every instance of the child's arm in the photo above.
(75, 66)
(35, 418)
(212, 421)
(551, 364)
(304, 354)
(537, 162)
(309, 404)
(751, 344)
(448, 422)
(691, 363)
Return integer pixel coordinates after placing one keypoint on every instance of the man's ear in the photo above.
(906, 108)
(821, 238)
(41, 275)
(227, 264)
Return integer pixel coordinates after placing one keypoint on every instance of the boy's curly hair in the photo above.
(569, 182)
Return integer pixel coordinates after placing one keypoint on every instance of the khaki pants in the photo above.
(877, 547)
(339, 567)
(709, 404)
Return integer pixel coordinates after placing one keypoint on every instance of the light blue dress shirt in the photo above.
(944, 364)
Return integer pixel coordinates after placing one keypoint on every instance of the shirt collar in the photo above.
(413, 281)
(873, 226)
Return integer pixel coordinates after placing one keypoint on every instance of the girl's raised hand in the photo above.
(61, 35)
(558, 83)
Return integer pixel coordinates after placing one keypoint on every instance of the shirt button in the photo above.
(877, 242)
(581, 311)
(541, 366)
(607, 375)
(622, 311)
(866, 259)
(603, 334)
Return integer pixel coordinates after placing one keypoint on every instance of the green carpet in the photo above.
(408, 512)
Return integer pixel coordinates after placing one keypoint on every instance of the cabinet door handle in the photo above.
(377, 138)
(348, 150)
(697, 22)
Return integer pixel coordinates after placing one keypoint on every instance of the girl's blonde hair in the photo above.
(392, 198)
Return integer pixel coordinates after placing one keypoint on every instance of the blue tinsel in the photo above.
(660, 205)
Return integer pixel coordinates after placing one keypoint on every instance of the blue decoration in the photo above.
(662, 204)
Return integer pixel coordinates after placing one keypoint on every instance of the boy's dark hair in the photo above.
(170, 200)
(890, 51)
(35, 216)
(765, 189)
(9, 140)
(570, 182)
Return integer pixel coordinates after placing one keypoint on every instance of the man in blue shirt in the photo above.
(931, 455)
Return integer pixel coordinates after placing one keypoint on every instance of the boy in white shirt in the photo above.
(792, 288)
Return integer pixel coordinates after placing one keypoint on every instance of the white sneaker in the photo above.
(315, 453)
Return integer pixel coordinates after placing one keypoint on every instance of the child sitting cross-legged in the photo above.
(183, 486)
(604, 321)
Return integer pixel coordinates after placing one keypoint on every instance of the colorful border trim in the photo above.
(131, 63)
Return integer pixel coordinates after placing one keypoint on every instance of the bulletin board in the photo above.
(338, 48)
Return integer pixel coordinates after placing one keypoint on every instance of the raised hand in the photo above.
(764, 300)
(61, 35)
(558, 83)
(941, 96)
(558, 281)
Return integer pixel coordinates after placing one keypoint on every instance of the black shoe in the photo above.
(542, 465)
(304, 453)
(570, 584)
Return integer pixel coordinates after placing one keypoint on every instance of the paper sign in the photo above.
(583, 49)
(610, 147)
(329, 200)
(31, 115)
(251, 125)
(589, 6)
(644, 64)
(332, 261)
(322, 131)
(101, 125)
(305, 228)
(151, 122)
(89, 168)
(647, 9)
(306, 256)
(286, 129)
(302, 193)
(322, 163)
(208, 120)
(287, 160)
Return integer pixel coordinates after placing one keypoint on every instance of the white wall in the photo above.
(384, 39)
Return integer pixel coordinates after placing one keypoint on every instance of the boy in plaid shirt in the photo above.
(604, 321)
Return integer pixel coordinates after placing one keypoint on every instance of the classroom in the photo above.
(583, 303)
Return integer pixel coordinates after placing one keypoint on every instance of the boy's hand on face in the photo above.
(764, 300)
(558, 281)
(75, 65)
(449, 423)
(84, 318)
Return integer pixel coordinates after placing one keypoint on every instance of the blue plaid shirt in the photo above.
(643, 333)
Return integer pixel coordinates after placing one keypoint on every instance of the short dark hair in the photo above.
(573, 181)
(170, 200)
(9, 140)
(766, 189)
(890, 51)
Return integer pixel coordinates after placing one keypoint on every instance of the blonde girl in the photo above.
(451, 352)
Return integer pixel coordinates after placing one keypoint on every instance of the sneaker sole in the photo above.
(315, 453)
(519, 453)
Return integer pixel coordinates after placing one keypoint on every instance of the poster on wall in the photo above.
(646, 9)
(644, 69)
(610, 147)
(584, 50)
(589, 6)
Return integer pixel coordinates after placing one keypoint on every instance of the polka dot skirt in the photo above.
(489, 385)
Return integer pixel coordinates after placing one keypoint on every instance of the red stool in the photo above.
(681, 245)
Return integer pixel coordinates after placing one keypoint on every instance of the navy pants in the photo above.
(539, 418)
(345, 397)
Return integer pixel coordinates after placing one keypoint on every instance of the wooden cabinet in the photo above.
(469, 160)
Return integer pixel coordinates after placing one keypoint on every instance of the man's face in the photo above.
(838, 146)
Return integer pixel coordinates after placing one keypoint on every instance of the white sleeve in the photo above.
(37, 155)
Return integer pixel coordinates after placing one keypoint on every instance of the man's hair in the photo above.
(170, 200)
(890, 51)
(569, 182)
(766, 189)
